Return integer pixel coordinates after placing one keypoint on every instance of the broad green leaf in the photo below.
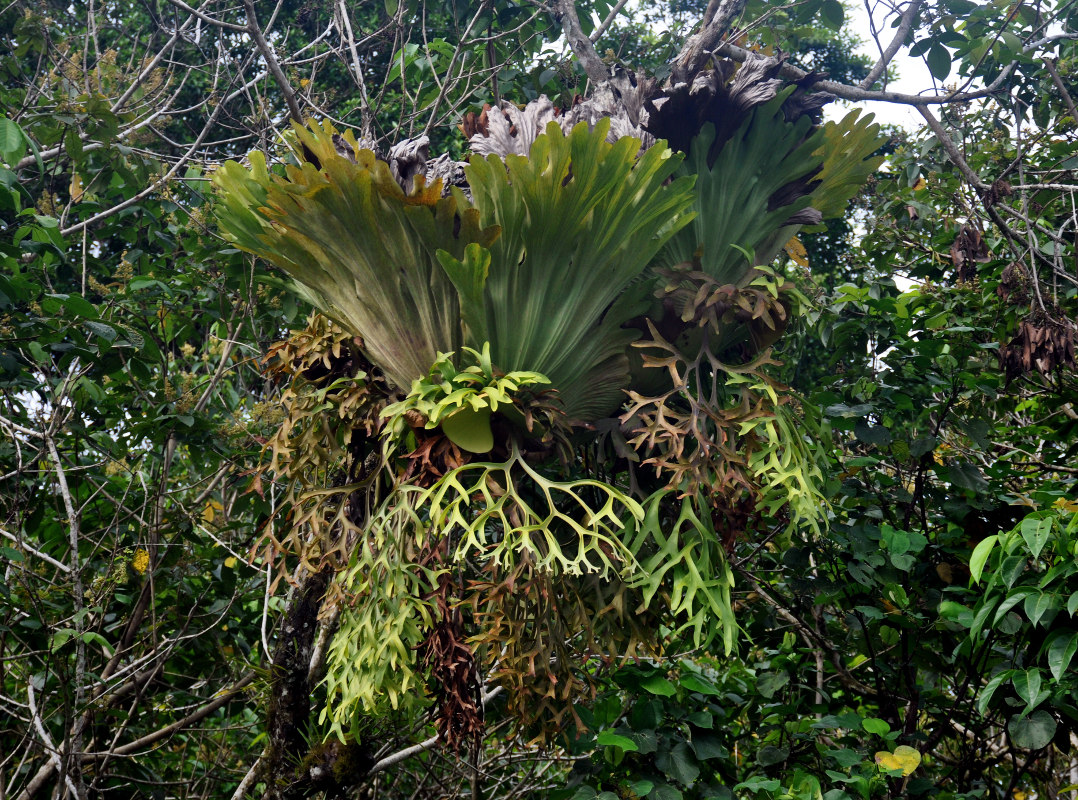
(706, 746)
(1027, 683)
(665, 791)
(12, 141)
(1032, 732)
(985, 696)
(770, 682)
(876, 726)
(470, 277)
(1061, 651)
(470, 429)
(980, 556)
(768, 755)
(939, 61)
(1038, 604)
(611, 739)
(832, 14)
(658, 684)
(1036, 533)
(698, 683)
(679, 764)
(848, 161)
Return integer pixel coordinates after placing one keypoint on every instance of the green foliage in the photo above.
(372, 668)
(849, 160)
(367, 253)
(460, 401)
(684, 569)
(569, 528)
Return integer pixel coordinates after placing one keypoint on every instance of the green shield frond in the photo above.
(581, 219)
(365, 250)
(848, 162)
(750, 199)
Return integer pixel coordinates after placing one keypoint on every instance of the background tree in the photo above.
(135, 409)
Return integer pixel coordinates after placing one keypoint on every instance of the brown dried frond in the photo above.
(1043, 343)
(326, 448)
(547, 643)
(447, 656)
(689, 434)
(1014, 284)
(968, 250)
(996, 192)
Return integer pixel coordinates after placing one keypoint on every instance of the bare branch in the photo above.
(422, 747)
(217, 23)
(700, 44)
(43, 556)
(903, 32)
(856, 93)
(597, 34)
(163, 733)
(582, 46)
(1068, 101)
(271, 61)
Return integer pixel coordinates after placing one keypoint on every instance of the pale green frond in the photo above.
(848, 162)
(684, 570)
(580, 219)
(364, 249)
(508, 512)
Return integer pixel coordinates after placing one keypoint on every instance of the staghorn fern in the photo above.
(365, 250)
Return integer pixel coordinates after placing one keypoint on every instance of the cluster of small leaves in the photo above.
(462, 401)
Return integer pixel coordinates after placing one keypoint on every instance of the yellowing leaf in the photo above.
(1063, 504)
(76, 188)
(211, 509)
(920, 184)
(796, 251)
(904, 758)
(141, 561)
(230, 562)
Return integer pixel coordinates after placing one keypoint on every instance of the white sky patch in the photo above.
(912, 77)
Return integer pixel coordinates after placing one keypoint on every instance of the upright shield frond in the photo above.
(750, 200)
(580, 218)
(365, 249)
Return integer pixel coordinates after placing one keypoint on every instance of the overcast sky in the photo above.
(913, 74)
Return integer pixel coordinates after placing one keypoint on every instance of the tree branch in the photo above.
(582, 46)
(904, 25)
(597, 34)
(422, 747)
(700, 44)
(1068, 101)
(228, 26)
(856, 93)
(168, 730)
(271, 61)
